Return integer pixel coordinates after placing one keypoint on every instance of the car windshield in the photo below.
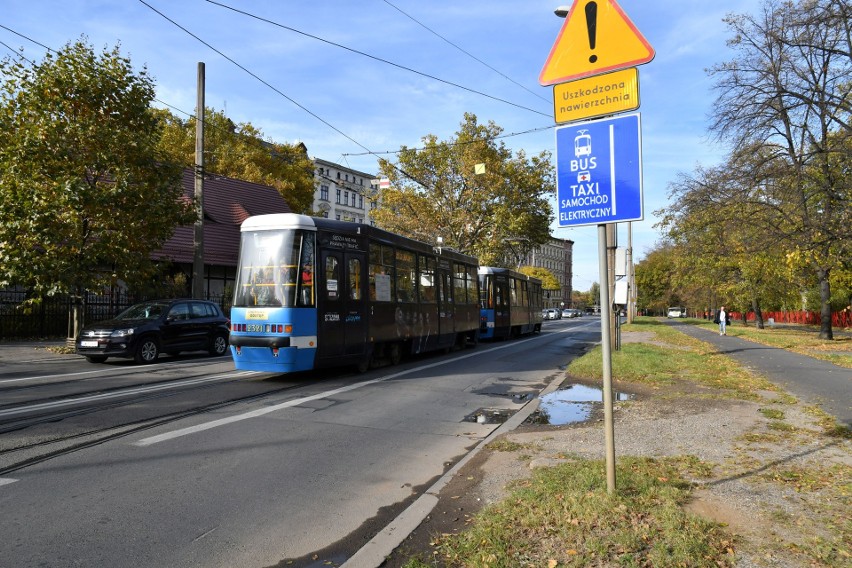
(146, 311)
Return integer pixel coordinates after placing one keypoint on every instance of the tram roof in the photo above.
(507, 271)
(296, 221)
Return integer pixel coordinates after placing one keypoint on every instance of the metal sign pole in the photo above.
(606, 309)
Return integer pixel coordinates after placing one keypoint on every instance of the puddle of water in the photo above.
(570, 404)
(489, 416)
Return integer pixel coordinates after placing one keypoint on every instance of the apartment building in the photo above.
(556, 255)
(343, 193)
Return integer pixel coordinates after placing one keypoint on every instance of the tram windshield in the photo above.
(275, 269)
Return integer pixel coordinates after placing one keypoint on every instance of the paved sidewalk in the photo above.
(22, 351)
(812, 380)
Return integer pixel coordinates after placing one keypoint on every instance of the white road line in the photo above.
(37, 377)
(118, 394)
(95, 372)
(6, 480)
(291, 403)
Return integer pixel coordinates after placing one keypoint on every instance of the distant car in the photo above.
(552, 314)
(143, 331)
(676, 312)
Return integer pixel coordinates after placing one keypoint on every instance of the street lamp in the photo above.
(562, 11)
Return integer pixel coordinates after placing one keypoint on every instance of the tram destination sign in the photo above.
(599, 171)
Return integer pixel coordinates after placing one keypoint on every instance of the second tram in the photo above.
(313, 292)
(510, 303)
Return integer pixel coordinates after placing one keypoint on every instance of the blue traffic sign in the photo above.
(599, 171)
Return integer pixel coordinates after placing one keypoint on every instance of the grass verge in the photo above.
(563, 516)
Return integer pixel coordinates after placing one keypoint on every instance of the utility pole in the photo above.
(198, 241)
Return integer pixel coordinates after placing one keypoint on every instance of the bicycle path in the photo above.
(814, 381)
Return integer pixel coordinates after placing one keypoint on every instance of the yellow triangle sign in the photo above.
(597, 37)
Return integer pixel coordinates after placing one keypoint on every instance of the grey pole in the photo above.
(606, 346)
(198, 241)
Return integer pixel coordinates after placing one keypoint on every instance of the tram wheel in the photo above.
(394, 354)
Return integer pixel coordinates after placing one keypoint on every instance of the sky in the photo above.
(355, 80)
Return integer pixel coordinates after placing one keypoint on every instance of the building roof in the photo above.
(227, 203)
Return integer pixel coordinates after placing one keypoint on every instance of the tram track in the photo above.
(47, 410)
(96, 436)
(12, 385)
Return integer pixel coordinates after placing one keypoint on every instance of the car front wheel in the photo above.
(148, 350)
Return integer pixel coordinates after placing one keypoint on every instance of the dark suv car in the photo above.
(145, 330)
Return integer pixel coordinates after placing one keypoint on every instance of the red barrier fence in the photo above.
(842, 319)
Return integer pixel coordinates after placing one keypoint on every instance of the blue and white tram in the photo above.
(510, 303)
(313, 292)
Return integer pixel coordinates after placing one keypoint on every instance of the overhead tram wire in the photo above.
(373, 57)
(253, 74)
(278, 91)
(19, 54)
(510, 135)
(475, 58)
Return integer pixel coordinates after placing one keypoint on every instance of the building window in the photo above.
(324, 192)
(338, 195)
(360, 202)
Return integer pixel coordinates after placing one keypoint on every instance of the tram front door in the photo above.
(342, 305)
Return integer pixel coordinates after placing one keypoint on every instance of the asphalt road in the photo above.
(312, 465)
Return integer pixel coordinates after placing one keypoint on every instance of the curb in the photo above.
(374, 553)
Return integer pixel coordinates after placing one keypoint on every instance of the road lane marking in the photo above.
(118, 394)
(6, 480)
(131, 370)
(295, 402)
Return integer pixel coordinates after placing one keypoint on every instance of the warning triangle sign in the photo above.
(597, 37)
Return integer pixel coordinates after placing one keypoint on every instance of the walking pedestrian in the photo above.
(723, 320)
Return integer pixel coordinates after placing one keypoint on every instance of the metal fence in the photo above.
(48, 317)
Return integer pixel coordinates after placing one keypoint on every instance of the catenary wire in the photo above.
(475, 58)
(373, 57)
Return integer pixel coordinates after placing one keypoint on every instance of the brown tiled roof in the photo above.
(227, 203)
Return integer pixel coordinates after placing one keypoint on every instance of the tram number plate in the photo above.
(88, 344)
(254, 327)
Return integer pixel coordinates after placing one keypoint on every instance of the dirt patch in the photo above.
(744, 449)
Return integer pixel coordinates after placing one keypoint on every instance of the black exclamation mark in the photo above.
(591, 26)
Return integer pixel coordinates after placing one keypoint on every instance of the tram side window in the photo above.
(445, 290)
(354, 279)
(472, 285)
(332, 277)
(406, 276)
(459, 282)
(306, 278)
(426, 282)
(381, 273)
(486, 299)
